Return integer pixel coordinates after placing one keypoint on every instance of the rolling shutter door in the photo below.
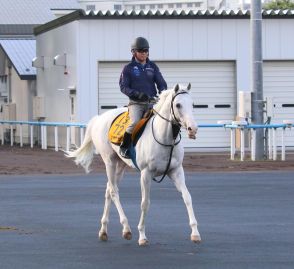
(278, 84)
(213, 92)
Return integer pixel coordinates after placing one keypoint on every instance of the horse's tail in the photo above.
(85, 153)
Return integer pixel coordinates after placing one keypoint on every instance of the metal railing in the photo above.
(43, 126)
(232, 125)
(272, 139)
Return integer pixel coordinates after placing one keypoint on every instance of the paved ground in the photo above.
(246, 221)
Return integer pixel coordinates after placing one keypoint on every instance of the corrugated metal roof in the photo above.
(32, 11)
(21, 53)
(158, 14)
(182, 13)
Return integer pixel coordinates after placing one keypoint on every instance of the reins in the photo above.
(176, 127)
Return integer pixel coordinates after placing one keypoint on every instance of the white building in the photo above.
(210, 50)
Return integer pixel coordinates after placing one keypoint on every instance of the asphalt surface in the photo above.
(246, 220)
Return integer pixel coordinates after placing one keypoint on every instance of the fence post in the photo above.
(42, 137)
(32, 136)
(20, 135)
(81, 135)
(233, 144)
(45, 137)
(274, 145)
(67, 138)
(270, 145)
(56, 137)
(2, 134)
(283, 157)
(253, 145)
(242, 144)
(11, 135)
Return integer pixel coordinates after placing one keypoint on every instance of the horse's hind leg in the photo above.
(114, 170)
(178, 177)
(105, 218)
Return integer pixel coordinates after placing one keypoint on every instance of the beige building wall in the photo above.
(22, 93)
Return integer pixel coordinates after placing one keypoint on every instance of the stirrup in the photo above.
(125, 153)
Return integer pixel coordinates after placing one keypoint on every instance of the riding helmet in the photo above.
(140, 43)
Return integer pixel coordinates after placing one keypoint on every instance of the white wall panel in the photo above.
(214, 39)
(271, 50)
(171, 39)
(200, 39)
(156, 39)
(286, 39)
(228, 41)
(185, 37)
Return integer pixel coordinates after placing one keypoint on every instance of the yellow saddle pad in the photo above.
(120, 124)
(118, 128)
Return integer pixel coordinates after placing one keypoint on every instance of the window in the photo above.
(152, 6)
(179, 5)
(160, 6)
(189, 5)
(90, 7)
(197, 4)
(170, 5)
(117, 7)
(142, 6)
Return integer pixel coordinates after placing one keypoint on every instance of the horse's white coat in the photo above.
(152, 158)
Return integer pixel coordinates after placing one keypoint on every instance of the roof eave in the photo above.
(28, 77)
(75, 15)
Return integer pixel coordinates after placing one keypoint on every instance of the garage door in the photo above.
(279, 86)
(213, 92)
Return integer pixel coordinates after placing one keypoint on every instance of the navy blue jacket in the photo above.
(141, 78)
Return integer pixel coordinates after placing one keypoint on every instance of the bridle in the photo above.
(174, 120)
(176, 127)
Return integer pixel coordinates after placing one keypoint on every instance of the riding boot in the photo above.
(124, 150)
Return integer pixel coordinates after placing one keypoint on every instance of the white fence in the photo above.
(43, 127)
(233, 126)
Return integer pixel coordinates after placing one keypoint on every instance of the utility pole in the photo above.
(257, 75)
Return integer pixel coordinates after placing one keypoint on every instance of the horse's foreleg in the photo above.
(145, 203)
(178, 178)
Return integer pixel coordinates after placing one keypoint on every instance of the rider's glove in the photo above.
(141, 96)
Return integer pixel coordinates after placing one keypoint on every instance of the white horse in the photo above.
(153, 150)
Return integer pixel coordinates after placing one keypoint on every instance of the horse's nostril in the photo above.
(189, 129)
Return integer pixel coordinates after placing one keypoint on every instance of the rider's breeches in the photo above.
(136, 112)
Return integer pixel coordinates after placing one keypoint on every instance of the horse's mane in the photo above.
(162, 97)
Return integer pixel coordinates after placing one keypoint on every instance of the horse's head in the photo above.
(182, 109)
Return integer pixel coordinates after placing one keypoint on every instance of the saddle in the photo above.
(120, 124)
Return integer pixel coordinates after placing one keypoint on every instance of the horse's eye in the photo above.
(178, 105)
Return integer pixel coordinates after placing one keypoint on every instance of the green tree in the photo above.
(279, 4)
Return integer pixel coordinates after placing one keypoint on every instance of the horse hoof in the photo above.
(196, 238)
(103, 236)
(143, 242)
(127, 235)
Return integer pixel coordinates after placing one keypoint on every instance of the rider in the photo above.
(140, 80)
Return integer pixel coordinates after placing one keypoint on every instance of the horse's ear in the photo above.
(177, 87)
(189, 86)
